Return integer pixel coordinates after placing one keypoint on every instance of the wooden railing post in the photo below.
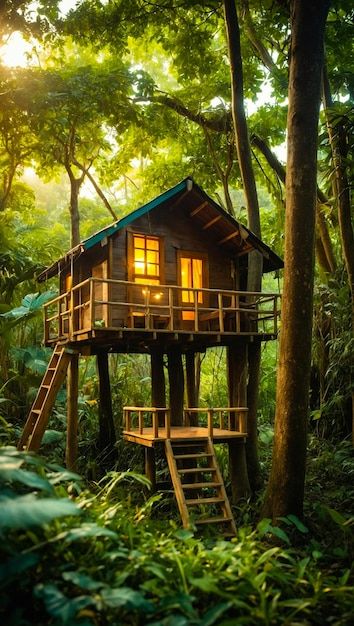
(210, 423)
(221, 315)
(140, 421)
(91, 305)
(170, 308)
(155, 423)
(168, 423)
(196, 320)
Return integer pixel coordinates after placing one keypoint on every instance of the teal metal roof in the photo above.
(113, 228)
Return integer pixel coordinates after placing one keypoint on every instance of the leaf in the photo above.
(209, 618)
(264, 525)
(15, 566)
(337, 517)
(27, 511)
(52, 436)
(280, 533)
(183, 534)
(84, 532)
(125, 597)
(298, 523)
(61, 607)
(83, 581)
(207, 583)
(30, 479)
(63, 476)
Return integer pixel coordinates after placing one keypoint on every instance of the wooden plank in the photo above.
(226, 508)
(228, 237)
(40, 411)
(177, 484)
(211, 222)
(198, 209)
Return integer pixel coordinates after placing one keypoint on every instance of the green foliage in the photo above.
(115, 563)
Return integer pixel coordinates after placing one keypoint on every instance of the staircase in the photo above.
(39, 414)
(198, 485)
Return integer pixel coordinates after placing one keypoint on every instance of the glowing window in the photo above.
(146, 260)
(192, 278)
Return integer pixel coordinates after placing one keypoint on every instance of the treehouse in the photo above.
(170, 280)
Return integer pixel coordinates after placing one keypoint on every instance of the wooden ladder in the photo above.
(198, 484)
(39, 414)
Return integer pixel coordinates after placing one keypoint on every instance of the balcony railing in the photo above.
(116, 305)
(157, 421)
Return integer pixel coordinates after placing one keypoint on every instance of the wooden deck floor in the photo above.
(180, 433)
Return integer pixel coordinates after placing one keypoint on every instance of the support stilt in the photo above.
(237, 381)
(176, 380)
(72, 386)
(107, 437)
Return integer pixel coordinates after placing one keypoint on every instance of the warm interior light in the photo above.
(158, 296)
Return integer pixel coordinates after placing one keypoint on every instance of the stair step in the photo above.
(200, 485)
(195, 470)
(197, 501)
(213, 520)
(198, 455)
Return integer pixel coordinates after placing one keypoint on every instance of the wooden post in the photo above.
(107, 437)
(150, 467)
(176, 381)
(158, 389)
(72, 386)
(191, 387)
(238, 469)
(210, 423)
(237, 380)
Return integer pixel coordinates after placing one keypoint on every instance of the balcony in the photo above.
(150, 425)
(105, 307)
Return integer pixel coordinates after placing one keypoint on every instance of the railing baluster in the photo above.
(221, 316)
(210, 423)
(168, 423)
(196, 320)
(155, 423)
(170, 308)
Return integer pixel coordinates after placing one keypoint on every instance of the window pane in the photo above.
(152, 269)
(139, 255)
(152, 256)
(152, 244)
(139, 242)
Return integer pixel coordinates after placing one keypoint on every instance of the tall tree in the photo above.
(286, 485)
(254, 223)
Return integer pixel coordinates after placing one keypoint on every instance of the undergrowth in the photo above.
(78, 556)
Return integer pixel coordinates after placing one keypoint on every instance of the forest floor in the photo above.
(84, 553)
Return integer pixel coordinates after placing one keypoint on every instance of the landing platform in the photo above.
(191, 433)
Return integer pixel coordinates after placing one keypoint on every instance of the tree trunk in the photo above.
(176, 384)
(339, 147)
(191, 380)
(72, 386)
(158, 388)
(254, 366)
(286, 485)
(237, 383)
(254, 277)
(107, 436)
(74, 212)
